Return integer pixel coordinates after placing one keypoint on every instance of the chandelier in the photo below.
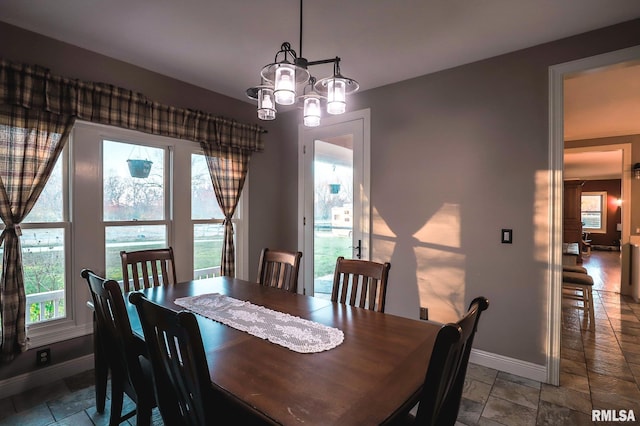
(287, 81)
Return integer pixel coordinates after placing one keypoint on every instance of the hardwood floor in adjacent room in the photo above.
(604, 267)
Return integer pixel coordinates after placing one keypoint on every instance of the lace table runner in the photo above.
(295, 333)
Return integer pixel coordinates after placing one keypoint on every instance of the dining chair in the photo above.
(279, 268)
(361, 283)
(181, 376)
(123, 352)
(147, 268)
(439, 400)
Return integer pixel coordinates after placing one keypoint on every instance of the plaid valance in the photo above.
(34, 87)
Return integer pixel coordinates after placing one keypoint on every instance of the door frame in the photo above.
(556, 166)
(365, 217)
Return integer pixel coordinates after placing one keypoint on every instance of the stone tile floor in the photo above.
(600, 369)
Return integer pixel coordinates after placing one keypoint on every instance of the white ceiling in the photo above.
(222, 44)
(593, 165)
(603, 103)
(597, 104)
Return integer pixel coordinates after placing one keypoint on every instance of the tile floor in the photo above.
(600, 369)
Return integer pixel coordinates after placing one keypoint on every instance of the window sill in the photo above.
(47, 334)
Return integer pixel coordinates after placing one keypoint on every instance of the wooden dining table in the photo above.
(379, 366)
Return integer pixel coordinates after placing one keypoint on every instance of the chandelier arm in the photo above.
(335, 60)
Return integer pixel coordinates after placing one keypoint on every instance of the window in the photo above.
(45, 232)
(92, 208)
(51, 308)
(206, 216)
(134, 200)
(594, 211)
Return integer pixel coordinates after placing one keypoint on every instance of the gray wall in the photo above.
(455, 156)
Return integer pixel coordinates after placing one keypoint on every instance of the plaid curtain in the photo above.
(30, 143)
(36, 88)
(42, 109)
(228, 169)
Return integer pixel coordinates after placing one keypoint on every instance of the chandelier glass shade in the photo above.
(283, 80)
(266, 104)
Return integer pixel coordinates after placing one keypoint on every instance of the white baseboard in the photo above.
(45, 375)
(509, 365)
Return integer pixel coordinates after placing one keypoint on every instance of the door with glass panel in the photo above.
(334, 194)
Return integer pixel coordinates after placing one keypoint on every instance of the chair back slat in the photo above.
(360, 283)
(148, 268)
(372, 291)
(279, 269)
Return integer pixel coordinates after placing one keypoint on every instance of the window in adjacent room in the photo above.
(594, 211)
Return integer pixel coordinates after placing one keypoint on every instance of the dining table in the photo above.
(378, 367)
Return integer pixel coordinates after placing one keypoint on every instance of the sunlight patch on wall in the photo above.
(441, 283)
(541, 217)
(443, 228)
(380, 225)
(440, 268)
(382, 249)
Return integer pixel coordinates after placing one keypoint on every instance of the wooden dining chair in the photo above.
(147, 268)
(279, 268)
(122, 351)
(181, 376)
(439, 401)
(360, 283)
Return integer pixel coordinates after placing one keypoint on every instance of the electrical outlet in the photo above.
(424, 313)
(43, 357)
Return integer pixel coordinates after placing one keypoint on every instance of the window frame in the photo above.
(54, 330)
(85, 228)
(603, 211)
(167, 221)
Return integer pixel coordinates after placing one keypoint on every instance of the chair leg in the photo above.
(589, 296)
(582, 293)
(117, 396)
(143, 416)
(101, 370)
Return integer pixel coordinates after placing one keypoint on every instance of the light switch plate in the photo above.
(507, 236)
